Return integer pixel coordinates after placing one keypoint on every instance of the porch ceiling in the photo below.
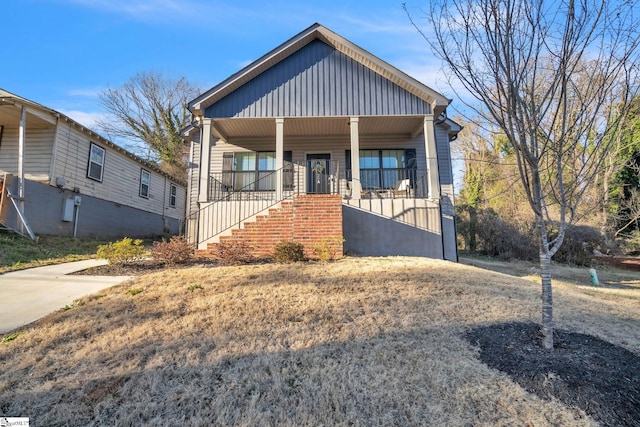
(10, 116)
(316, 126)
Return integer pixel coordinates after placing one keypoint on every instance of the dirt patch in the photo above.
(627, 263)
(582, 371)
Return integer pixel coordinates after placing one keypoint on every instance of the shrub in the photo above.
(328, 248)
(499, 238)
(125, 251)
(578, 245)
(288, 251)
(234, 253)
(174, 251)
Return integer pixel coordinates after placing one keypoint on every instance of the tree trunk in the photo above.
(547, 300)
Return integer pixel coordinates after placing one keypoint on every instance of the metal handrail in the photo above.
(222, 214)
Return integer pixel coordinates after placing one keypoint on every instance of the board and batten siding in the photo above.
(121, 175)
(445, 169)
(37, 152)
(318, 81)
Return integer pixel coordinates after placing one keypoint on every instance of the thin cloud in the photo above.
(87, 119)
(85, 92)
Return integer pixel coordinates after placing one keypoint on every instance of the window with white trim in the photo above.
(95, 170)
(173, 195)
(145, 182)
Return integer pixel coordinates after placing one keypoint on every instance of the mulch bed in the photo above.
(582, 371)
(142, 267)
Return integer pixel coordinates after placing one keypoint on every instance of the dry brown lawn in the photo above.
(361, 341)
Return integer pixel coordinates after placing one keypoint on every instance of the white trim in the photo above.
(89, 161)
(142, 184)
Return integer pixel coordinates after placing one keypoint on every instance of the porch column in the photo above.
(21, 137)
(433, 176)
(205, 161)
(279, 155)
(356, 185)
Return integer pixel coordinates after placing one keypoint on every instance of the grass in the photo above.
(361, 341)
(17, 252)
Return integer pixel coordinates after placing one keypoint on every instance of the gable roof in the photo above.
(51, 116)
(318, 32)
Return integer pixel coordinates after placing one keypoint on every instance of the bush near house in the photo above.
(234, 253)
(170, 252)
(125, 251)
(288, 251)
(328, 248)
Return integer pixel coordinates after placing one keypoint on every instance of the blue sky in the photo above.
(62, 53)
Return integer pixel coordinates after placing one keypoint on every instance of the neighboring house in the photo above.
(77, 182)
(316, 139)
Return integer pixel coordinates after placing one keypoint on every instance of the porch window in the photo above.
(383, 169)
(254, 171)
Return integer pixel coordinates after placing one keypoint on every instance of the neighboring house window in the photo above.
(173, 195)
(96, 162)
(383, 169)
(251, 171)
(145, 181)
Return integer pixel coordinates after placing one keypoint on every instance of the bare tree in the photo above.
(548, 73)
(150, 109)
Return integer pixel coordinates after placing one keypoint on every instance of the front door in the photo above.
(319, 173)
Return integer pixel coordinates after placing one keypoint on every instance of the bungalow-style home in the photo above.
(316, 141)
(64, 179)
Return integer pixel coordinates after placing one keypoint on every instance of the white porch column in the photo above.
(205, 161)
(356, 185)
(433, 175)
(21, 137)
(279, 155)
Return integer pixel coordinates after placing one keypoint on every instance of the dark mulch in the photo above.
(142, 267)
(582, 371)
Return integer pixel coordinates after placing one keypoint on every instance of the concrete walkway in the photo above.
(28, 295)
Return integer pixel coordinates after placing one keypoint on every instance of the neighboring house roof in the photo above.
(50, 115)
(319, 32)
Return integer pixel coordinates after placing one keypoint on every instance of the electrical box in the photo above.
(67, 210)
(77, 200)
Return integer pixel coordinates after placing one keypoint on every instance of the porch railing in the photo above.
(236, 196)
(391, 183)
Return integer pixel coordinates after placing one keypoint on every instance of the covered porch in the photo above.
(381, 166)
(356, 157)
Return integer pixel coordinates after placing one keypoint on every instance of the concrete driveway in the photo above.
(28, 295)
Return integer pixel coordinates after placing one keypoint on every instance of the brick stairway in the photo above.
(306, 219)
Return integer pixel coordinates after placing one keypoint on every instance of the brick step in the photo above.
(307, 219)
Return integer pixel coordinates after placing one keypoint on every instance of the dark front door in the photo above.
(319, 173)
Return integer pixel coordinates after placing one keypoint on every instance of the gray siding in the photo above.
(96, 218)
(444, 157)
(315, 81)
